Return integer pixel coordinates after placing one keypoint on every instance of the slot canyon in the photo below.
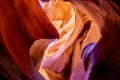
(60, 39)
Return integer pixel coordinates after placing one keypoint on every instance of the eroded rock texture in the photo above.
(95, 24)
(63, 40)
(21, 23)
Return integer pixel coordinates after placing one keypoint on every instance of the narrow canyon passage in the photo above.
(59, 39)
